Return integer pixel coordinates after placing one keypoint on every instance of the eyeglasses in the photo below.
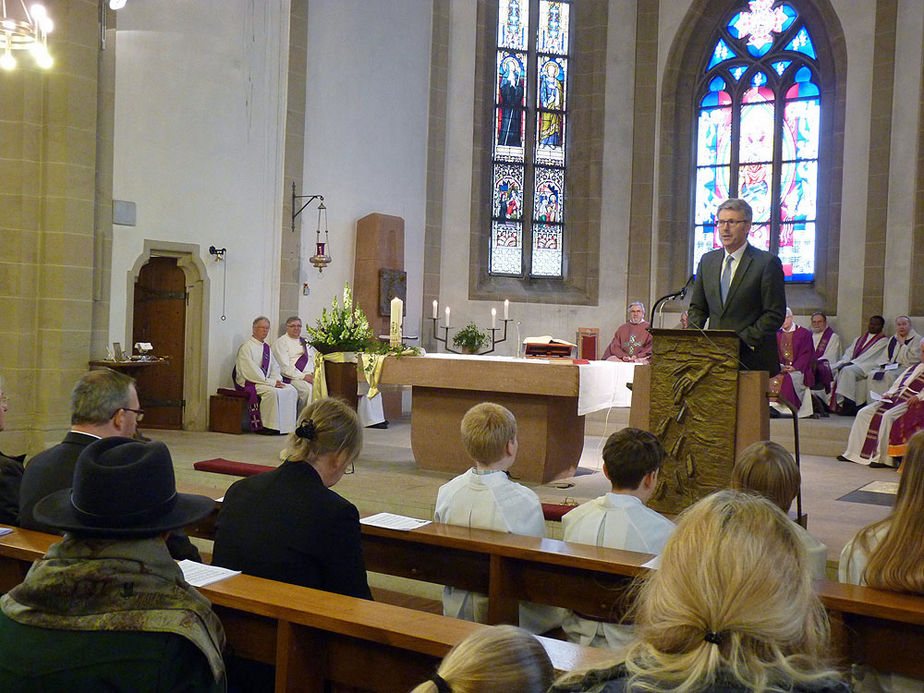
(350, 469)
(730, 222)
(139, 413)
(4, 400)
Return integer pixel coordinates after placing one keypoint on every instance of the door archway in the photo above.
(193, 375)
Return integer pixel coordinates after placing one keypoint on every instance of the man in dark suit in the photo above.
(104, 403)
(741, 288)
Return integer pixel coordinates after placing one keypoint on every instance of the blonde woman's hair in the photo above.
(897, 562)
(497, 658)
(486, 430)
(325, 426)
(731, 603)
(768, 469)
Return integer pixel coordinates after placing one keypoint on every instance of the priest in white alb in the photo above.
(854, 365)
(901, 352)
(868, 443)
(296, 360)
(273, 403)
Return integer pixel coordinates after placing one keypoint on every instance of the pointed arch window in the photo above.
(757, 133)
(529, 138)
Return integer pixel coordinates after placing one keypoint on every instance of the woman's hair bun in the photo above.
(306, 430)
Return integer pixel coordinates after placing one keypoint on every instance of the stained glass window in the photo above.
(758, 132)
(529, 140)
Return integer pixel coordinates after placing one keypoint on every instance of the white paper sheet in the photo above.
(200, 574)
(392, 521)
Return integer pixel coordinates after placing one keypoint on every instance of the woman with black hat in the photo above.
(107, 608)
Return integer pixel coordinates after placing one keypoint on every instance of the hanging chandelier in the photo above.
(25, 30)
(321, 258)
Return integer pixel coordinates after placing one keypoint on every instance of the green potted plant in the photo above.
(340, 332)
(341, 328)
(470, 339)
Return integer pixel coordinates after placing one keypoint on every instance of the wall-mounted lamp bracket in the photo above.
(308, 200)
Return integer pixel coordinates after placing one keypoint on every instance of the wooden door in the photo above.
(160, 318)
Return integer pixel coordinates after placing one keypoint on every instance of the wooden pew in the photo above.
(882, 629)
(313, 637)
(508, 567)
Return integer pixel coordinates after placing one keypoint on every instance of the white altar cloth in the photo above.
(603, 384)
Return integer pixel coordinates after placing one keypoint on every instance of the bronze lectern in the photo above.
(702, 408)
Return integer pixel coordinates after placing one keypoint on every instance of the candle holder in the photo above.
(445, 338)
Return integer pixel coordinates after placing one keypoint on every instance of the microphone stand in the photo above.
(659, 304)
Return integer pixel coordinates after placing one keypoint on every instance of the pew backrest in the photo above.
(314, 637)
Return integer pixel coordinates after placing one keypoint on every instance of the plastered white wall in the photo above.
(368, 88)
(199, 115)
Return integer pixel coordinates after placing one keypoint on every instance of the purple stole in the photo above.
(301, 362)
(908, 389)
(858, 348)
(250, 389)
(821, 369)
(907, 425)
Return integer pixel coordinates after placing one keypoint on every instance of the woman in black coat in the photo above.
(287, 524)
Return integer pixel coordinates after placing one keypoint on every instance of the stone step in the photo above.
(823, 437)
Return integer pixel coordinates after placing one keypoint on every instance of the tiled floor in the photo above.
(387, 478)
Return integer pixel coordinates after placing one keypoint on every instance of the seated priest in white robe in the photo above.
(296, 360)
(901, 352)
(827, 346)
(257, 373)
(868, 443)
(855, 364)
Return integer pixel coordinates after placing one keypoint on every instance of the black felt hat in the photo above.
(122, 488)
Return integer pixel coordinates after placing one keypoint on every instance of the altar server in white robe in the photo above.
(485, 497)
(296, 360)
(632, 459)
(255, 365)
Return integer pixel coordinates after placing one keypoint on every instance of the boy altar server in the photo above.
(484, 497)
(632, 459)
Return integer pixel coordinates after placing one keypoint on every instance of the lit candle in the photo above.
(447, 316)
(397, 317)
(506, 309)
(436, 305)
(493, 318)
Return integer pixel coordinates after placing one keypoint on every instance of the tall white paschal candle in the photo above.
(397, 316)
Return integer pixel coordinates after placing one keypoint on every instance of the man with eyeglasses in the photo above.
(741, 288)
(296, 360)
(104, 404)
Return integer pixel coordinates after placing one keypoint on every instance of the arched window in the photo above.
(759, 108)
(529, 122)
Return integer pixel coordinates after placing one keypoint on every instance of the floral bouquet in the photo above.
(341, 328)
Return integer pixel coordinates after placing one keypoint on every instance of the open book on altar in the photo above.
(547, 347)
(547, 339)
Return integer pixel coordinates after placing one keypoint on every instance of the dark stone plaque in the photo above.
(392, 284)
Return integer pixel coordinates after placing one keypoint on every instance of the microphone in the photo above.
(683, 291)
(672, 297)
